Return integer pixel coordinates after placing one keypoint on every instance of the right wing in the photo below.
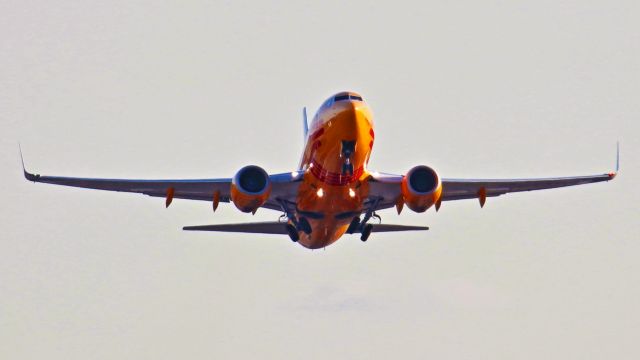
(284, 187)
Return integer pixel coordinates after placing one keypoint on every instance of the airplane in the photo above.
(332, 192)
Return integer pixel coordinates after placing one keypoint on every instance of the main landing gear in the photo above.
(295, 225)
(366, 231)
(362, 227)
(301, 225)
(293, 233)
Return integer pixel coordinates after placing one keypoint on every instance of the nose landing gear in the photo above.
(348, 148)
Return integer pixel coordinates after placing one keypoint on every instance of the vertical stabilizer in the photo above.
(305, 124)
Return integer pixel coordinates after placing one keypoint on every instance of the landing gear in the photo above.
(362, 226)
(348, 148)
(347, 168)
(294, 224)
(366, 231)
(303, 224)
(293, 233)
(354, 225)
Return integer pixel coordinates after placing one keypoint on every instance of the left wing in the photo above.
(385, 189)
(458, 189)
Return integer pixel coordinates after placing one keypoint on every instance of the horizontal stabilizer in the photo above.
(270, 227)
(275, 227)
(391, 228)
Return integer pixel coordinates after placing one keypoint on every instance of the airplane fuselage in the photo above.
(334, 161)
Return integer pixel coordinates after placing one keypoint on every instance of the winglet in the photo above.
(617, 156)
(612, 175)
(27, 175)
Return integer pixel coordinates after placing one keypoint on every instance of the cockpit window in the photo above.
(347, 97)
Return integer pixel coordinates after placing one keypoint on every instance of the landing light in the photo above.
(320, 192)
(352, 193)
(294, 174)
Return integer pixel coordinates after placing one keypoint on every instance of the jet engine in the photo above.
(421, 188)
(250, 188)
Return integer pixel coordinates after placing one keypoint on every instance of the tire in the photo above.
(303, 224)
(293, 233)
(353, 226)
(366, 232)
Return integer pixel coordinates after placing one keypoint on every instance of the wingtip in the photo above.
(617, 156)
(612, 175)
(27, 175)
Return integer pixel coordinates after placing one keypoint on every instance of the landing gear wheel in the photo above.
(366, 232)
(353, 226)
(293, 233)
(303, 224)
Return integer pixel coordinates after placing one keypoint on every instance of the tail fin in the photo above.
(305, 124)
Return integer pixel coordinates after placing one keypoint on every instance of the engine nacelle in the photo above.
(421, 188)
(250, 188)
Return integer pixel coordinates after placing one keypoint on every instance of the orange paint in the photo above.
(216, 200)
(482, 196)
(169, 197)
(323, 163)
(420, 203)
(399, 204)
(248, 203)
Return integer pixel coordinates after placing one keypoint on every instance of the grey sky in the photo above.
(148, 90)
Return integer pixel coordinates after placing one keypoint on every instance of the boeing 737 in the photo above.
(332, 192)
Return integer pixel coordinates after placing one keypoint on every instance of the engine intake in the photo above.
(250, 188)
(421, 188)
